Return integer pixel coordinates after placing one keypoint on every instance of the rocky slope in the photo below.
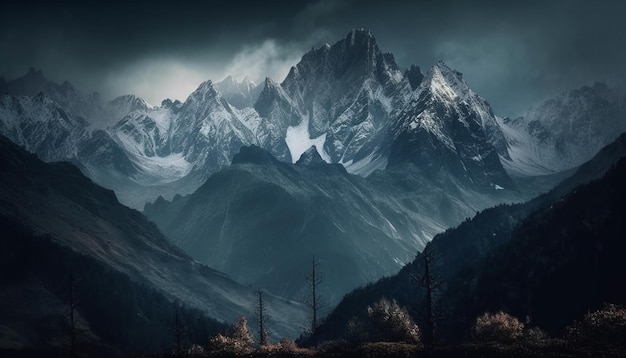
(564, 132)
(350, 100)
(260, 220)
(58, 201)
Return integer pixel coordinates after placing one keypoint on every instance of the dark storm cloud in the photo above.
(513, 54)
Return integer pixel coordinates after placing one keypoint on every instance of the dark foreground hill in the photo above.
(130, 279)
(550, 259)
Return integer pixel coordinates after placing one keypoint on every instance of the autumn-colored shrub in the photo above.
(500, 327)
(536, 337)
(237, 342)
(392, 323)
(195, 351)
(601, 328)
(287, 346)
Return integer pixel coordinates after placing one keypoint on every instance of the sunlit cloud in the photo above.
(267, 59)
(157, 79)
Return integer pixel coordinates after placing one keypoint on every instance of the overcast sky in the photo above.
(513, 53)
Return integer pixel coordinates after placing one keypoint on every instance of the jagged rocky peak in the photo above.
(270, 85)
(240, 94)
(67, 88)
(582, 109)
(131, 101)
(357, 56)
(445, 82)
(28, 85)
(205, 91)
(414, 75)
(42, 97)
(359, 37)
(206, 86)
(160, 202)
(231, 82)
(310, 157)
(34, 74)
(565, 131)
(168, 103)
(254, 155)
(270, 93)
(228, 81)
(361, 46)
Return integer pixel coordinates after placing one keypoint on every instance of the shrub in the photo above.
(355, 332)
(536, 337)
(500, 327)
(288, 346)
(237, 342)
(195, 351)
(392, 323)
(601, 328)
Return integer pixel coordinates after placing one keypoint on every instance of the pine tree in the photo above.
(178, 329)
(72, 302)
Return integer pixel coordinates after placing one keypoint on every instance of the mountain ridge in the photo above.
(311, 208)
(463, 247)
(57, 200)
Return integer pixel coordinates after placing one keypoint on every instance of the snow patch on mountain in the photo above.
(364, 167)
(41, 126)
(169, 168)
(299, 140)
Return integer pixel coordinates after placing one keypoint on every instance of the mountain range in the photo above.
(350, 99)
(260, 220)
(349, 159)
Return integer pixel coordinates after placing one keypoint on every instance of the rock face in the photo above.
(261, 220)
(346, 92)
(350, 100)
(42, 126)
(446, 127)
(239, 94)
(564, 132)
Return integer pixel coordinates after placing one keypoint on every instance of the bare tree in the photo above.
(73, 326)
(178, 329)
(431, 282)
(261, 311)
(315, 301)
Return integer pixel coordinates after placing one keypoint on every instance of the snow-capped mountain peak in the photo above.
(565, 131)
(272, 93)
(446, 83)
(132, 101)
(360, 36)
(349, 99)
(168, 103)
(241, 94)
(122, 106)
(205, 91)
